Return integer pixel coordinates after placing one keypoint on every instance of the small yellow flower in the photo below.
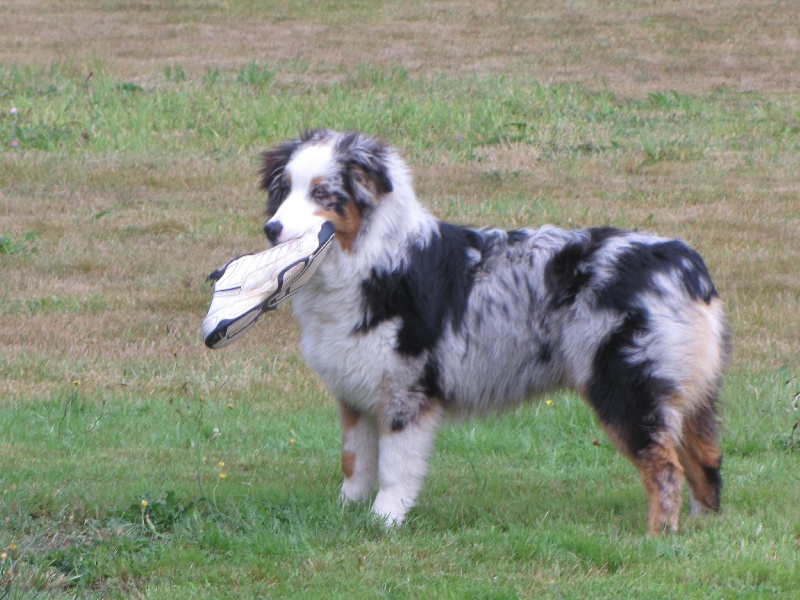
(221, 463)
(12, 547)
(549, 402)
(230, 406)
(292, 440)
(222, 475)
(144, 503)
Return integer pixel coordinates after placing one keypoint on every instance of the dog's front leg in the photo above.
(404, 448)
(359, 454)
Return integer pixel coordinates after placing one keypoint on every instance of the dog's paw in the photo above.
(354, 491)
(390, 509)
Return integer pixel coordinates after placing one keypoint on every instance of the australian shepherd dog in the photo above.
(410, 320)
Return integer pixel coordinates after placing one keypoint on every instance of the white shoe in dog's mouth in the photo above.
(249, 285)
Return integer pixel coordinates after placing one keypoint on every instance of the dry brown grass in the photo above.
(738, 208)
(628, 46)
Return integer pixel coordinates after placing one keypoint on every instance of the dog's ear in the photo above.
(273, 162)
(367, 170)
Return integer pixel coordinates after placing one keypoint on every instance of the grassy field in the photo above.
(136, 463)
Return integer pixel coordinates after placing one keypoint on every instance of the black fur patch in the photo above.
(637, 266)
(405, 409)
(428, 293)
(714, 478)
(570, 269)
(429, 382)
(515, 236)
(626, 396)
(545, 352)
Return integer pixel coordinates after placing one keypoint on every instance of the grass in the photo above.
(593, 113)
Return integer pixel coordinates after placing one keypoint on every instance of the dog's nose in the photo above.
(272, 230)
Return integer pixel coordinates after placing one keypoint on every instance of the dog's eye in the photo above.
(320, 194)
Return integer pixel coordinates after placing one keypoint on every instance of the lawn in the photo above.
(134, 462)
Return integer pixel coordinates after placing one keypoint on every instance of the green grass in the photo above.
(531, 503)
(123, 185)
(232, 115)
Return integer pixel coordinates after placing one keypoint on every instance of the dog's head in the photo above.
(338, 177)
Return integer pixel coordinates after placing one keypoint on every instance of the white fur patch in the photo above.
(299, 211)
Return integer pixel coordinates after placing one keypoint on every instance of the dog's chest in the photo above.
(351, 363)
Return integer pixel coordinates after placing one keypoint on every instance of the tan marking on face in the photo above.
(347, 226)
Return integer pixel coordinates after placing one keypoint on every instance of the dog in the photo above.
(410, 320)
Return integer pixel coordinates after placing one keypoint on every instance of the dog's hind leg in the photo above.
(701, 458)
(403, 452)
(359, 454)
(660, 470)
(697, 399)
(636, 409)
(662, 475)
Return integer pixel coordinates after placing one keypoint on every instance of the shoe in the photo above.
(254, 283)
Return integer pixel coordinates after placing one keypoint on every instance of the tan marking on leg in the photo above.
(617, 439)
(662, 476)
(348, 463)
(349, 416)
(663, 501)
(350, 419)
(701, 458)
(698, 443)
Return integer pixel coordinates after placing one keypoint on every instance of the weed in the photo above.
(212, 76)
(162, 514)
(174, 73)
(129, 86)
(23, 245)
(254, 74)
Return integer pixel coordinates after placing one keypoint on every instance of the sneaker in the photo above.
(254, 283)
